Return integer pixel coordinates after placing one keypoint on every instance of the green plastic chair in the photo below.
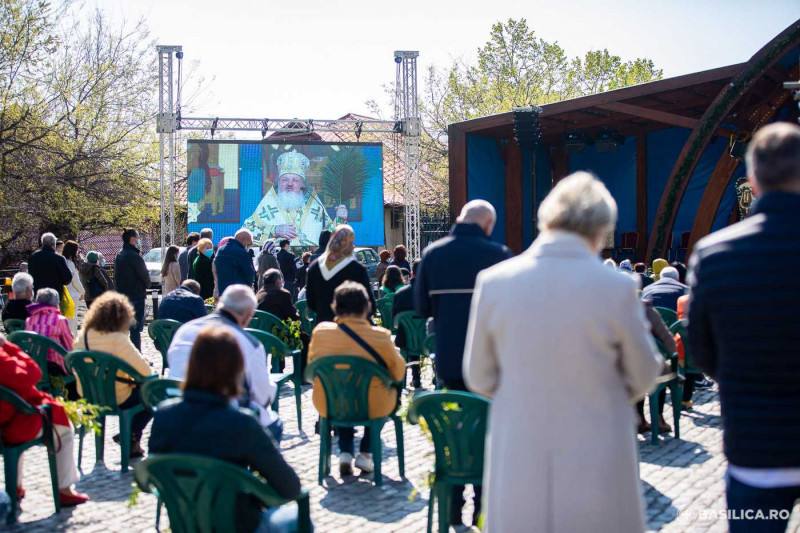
(277, 350)
(97, 373)
(457, 424)
(415, 328)
(346, 382)
(201, 493)
(667, 315)
(384, 306)
(11, 454)
(14, 324)
(679, 328)
(672, 382)
(162, 331)
(266, 322)
(155, 391)
(308, 318)
(36, 346)
(429, 350)
(209, 308)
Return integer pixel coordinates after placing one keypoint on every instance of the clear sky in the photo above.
(323, 58)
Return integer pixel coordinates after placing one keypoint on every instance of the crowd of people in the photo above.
(562, 343)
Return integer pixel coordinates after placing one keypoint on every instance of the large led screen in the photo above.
(286, 191)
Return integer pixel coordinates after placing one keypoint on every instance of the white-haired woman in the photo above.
(562, 454)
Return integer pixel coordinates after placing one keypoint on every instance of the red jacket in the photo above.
(20, 373)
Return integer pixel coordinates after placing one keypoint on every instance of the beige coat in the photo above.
(119, 344)
(173, 278)
(561, 345)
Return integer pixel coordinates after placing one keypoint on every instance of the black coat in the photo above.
(277, 301)
(403, 301)
(49, 270)
(443, 290)
(743, 330)
(206, 424)
(16, 308)
(130, 273)
(204, 275)
(95, 276)
(319, 291)
(665, 293)
(190, 257)
(302, 276)
(182, 305)
(288, 267)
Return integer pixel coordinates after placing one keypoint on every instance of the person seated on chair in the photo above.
(22, 287)
(661, 332)
(276, 300)
(206, 422)
(352, 306)
(106, 329)
(666, 291)
(640, 270)
(20, 374)
(404, 301)
(392, 280)
(183, 304)
(236, 308)
(46, 320)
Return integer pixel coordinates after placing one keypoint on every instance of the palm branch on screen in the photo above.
(345, 176)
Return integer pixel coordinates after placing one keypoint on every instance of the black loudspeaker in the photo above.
(527, 130)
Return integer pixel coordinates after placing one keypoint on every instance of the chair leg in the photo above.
(676, 391)
(444, 495)
(81, 434)
(298, 397)
(324, 438)
(125, 422)
(401, 455)
(10, 466)
(158, 514)
(431, 498)
(51, 458)
(377, 450)
(99, 440)
(654, 418)
(276, 401)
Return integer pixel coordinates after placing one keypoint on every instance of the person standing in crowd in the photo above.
(236, 308)
(105, 331)
(443, 290)
(274, 299)
(204, 422)
(266, 260)
(380, 269)
(183, 257)
(132, 280)
(392, 280)
(743, 333)
(20, 374)
(23, 267)
(171, 270)
(288, 267)
(59, 247)
(205, 233)
(681, 268)
(404, 301)
(201, 268)
(233, 264)
(324, 239)
(49, 269)
(661, 332)
(351, 334)
(400, 257)
(641, 271)
(183, 304)
(22, 288)
(666, 291)
(302, 272)
(337, 265)
(94, 277)
(46, 320)
(575, 349)
(75, 288)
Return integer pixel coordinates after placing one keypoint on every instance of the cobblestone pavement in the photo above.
(682, 480)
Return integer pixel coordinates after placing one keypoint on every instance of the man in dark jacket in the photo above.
(22, 287)
(183, 258)
(743, 332)
(183, 304)
(443, 290)
(288, 267)
(233, 263)
(273, 298)
(404, 301)
(191, 255)
(49, 270)
(132, 279)
(666, 291)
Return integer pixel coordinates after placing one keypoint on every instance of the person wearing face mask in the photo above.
(202, 268)
(132, 280)
(94, 277)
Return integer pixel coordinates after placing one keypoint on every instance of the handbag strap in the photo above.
(361, 342)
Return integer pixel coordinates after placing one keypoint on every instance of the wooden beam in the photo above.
(514, 203)
(560, 166)
(651, 114)
(641, 195)
(457, 141)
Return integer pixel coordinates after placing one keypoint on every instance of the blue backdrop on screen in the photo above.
(291, 191)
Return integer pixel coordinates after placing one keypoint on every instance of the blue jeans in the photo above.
(276, 429)
(280, 520)
(136, 329)
(346, 436)
(745, 501)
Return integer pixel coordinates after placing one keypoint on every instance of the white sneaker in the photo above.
(345, 464)
(364, 462)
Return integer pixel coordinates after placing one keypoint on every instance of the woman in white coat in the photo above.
(561, 345)
(75, 287)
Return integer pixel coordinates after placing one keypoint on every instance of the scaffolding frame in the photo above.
(406, 124)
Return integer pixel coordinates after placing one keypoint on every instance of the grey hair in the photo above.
(669, 272)
(48, 297)
(48, 239)
(477, 212)
(206, 233)
(238, 299)
(581, 204)
(272, 275)
(21, 283)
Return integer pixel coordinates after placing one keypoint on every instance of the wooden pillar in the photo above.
(457, 140)
(514, 198)
(560, 163)
(641, 195)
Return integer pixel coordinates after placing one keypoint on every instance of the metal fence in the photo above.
(434, 224)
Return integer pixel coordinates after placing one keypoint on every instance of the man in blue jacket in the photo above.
(743, 332)
(183, 304)
(443, 290)
(233, 264)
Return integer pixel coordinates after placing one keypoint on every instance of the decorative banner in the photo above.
(746, 197)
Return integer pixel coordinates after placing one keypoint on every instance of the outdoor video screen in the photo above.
(286, 191)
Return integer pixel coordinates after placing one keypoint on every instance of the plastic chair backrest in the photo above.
(163, 330)
(37, 346)
(307, 316)
(429, 345)
(667, 315)
(275, 347)
(457, 423)
(14, 324)
(679, 328)
(156, 391)
(346, 381)
(265, 322)
(200, 492)
(384, 306)
(97, 373)
(415, 330)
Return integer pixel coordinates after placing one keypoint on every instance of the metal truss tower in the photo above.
(406, 110)
(166, 127)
